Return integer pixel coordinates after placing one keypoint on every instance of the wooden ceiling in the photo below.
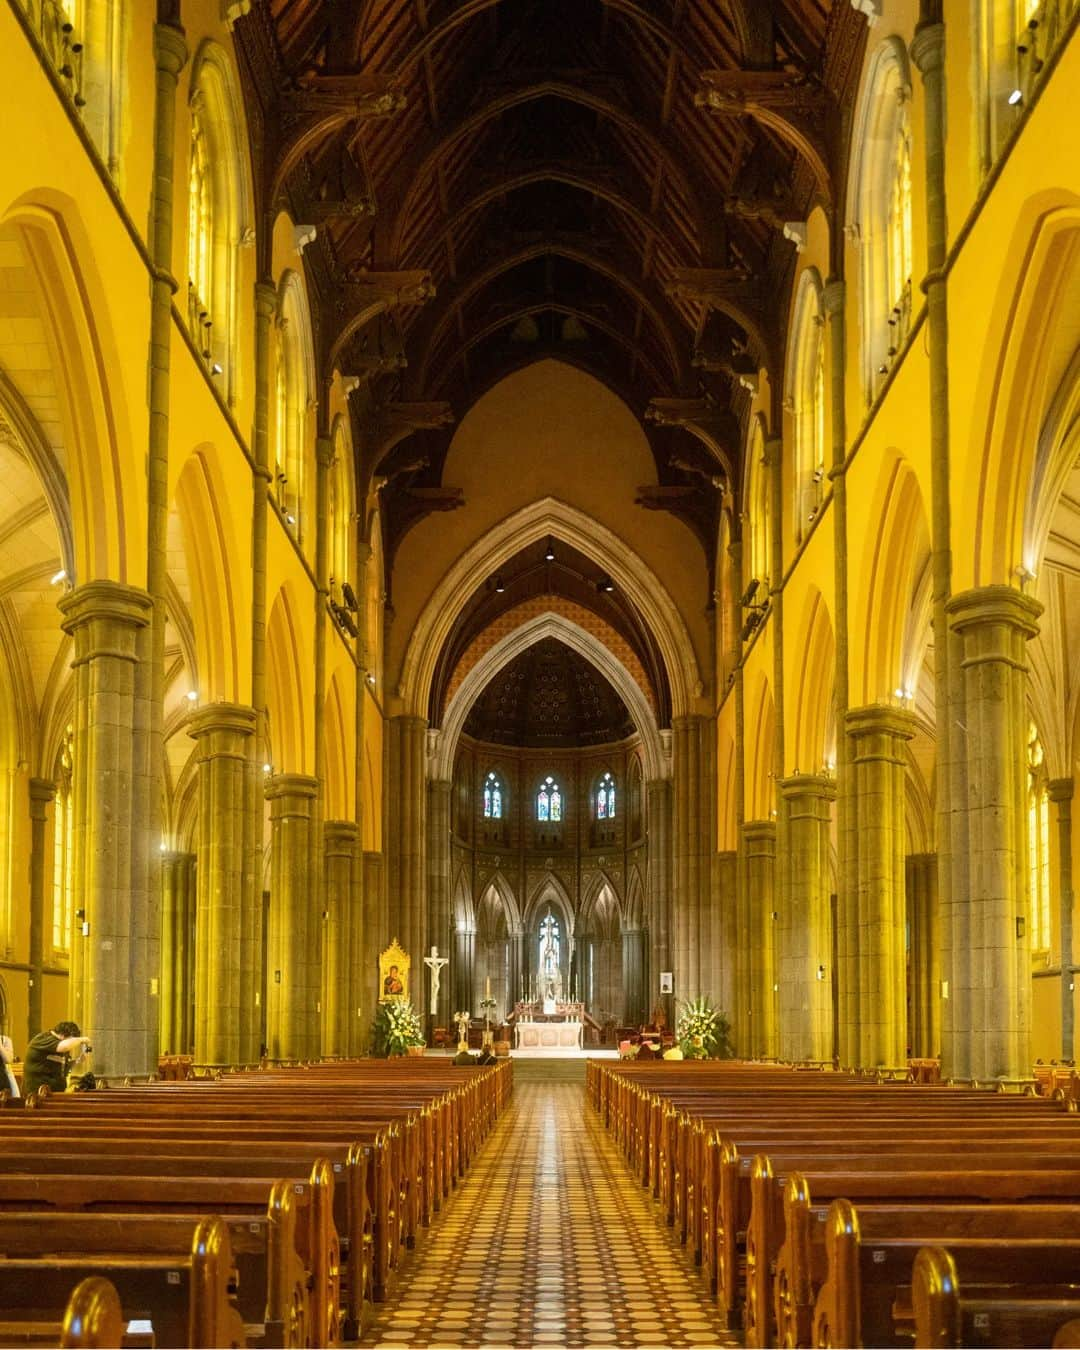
(606, 181)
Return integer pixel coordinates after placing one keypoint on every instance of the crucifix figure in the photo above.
(435, 963)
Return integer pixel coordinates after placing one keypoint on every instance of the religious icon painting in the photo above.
(394, 965)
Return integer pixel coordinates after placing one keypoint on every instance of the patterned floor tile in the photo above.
(548, 1243)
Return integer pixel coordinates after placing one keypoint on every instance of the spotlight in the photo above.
(549, 553)
(192, 696)
(371, 678)
(215, 369)
(349, 596)
(60, 576)
(1017, 96)
(750, 592)
(499, 587)
(290, 518)
(605, 585)
(268, 768)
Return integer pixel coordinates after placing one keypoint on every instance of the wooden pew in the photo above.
(186, 1295)
(1011, 1313)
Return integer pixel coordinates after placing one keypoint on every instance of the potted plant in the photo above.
(702, 1031)
(398, 1030)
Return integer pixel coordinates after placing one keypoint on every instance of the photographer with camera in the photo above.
(50, 1055)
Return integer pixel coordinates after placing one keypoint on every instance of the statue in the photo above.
(435, 963)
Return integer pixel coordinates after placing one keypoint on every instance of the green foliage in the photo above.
(397, 1026)
(702, 1031)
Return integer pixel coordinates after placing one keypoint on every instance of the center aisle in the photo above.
(548, 1242)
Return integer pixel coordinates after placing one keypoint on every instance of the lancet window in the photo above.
(1038, 844)
(549, 801)
(806, 398)
(493, 797)
(63, 889)
(605, 798)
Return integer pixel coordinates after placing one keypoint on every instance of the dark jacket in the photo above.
(43, 1065)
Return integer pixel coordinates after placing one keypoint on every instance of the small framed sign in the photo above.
(667, 982)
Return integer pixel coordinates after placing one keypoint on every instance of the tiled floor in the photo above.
(548, 1242)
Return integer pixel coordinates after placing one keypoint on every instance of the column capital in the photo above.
(1058, 789)
(759, 836)
(171, 857)
(229, 723)
(928, 47)
(324, 451)
(994, 606)
(170, 48)
(42, 791)
(265, 299)
(341, 838)
(109, 605)
(291, 794)
(832, 296)
(816, 785)
(880, 719)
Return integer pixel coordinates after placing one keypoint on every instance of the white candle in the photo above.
(487, 989)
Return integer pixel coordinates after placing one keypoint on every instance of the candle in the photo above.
(487, 988)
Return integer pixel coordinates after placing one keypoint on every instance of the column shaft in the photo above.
(293, 977)
(1061, 792)
(879, 999)
(176, 1029)
(804, 929)
(692, 852)
(42, 792)
(994, 625)
(222, 732)
(635, 1012)
(759, 937)
(924, 925)
(111, 994)
(658, 795)
(342, 865)
(438, 865)
(406, 800)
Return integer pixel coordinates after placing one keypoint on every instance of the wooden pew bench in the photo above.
(948, 1312)
(186, 1295)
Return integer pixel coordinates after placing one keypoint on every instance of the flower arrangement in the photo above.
(702, 1030)
(397, 1027)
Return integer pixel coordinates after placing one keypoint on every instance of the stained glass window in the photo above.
(605, 798)
(549, 801)
(493, 798)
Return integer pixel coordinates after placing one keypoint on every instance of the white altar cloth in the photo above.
(547, 1038)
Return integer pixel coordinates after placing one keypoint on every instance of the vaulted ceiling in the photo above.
(608, 181)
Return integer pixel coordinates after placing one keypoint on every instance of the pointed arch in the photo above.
(286, 687)
(585, 644)
(293, 400)
(546, 518)
(814, 710)
(338, 736)
(498, 884)
(549, 890)
(761, 724)
(209, 549)
(805, 399)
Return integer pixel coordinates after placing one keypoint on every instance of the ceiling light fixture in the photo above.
(499, 587)
(549, 552)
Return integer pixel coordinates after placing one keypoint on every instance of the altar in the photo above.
(547, 1038)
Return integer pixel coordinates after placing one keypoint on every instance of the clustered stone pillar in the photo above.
(112, 973)
(438, 864)
(633, 977)
(692, 851)
(222, 733)
(373, 907)
(658, 806)
(341, 937)
(758, 1022)
(408, 793)
(517, 967)
(924, 925)
(176, 1031)
(1061, 794)
(42, 792)
(873, 975)
(726, 938)
(464, 956)
(987, 1015)
(804, 929)
(293, 978)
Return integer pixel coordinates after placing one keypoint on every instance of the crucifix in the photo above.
(435, 963)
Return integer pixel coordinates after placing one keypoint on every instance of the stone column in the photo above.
(658, 794)
(406, 791)
(438, 865)
(293, 968)
(692, 848)
(42, 792)
(372, 939)
(222, 733)
(759, 846)
(804, 929)
(924, 926)
(586, 961)
(111, 996)
(464, 954)
(177, 1026)
(341, 844)
(875, 975)
(987, 1028)
(1061, 792)
(726, 933)
(633, 976)
(517, 965)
